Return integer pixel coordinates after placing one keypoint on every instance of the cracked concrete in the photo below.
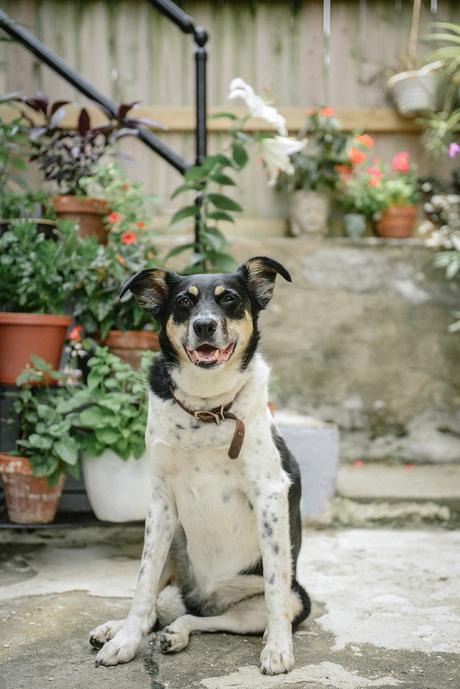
(386, 614)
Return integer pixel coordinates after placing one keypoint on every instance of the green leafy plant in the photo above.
(131, 208)
(96, 282)
(36, 272)
(13, 141)
(115, 401)
(43, 422)
(209, 206)
(315, 168)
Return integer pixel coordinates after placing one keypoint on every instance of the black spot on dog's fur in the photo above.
(276, 548)
(268, 529)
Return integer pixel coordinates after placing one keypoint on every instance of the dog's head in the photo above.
(208, 320)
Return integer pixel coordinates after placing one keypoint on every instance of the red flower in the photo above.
(358, 463)
(355, 156)
(374, 171)
(140, 225)
(128, 238)
(327, 112)
(365, 140)
(125, 186)
(75, 333)
(113, 217)
(400, 162)
(344, 171)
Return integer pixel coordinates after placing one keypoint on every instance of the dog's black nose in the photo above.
(204, 327)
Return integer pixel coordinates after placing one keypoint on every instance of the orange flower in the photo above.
(114, 217)
(355, 156)
(128, 238)
(75, 333)
(400, 162)
(365, 140)
(125, 186)
(342, 169)
(374, 181)
(140, 225)
(327, 112)
(120, 259)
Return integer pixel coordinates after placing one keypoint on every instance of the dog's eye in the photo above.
(228, 298)
(184, 302)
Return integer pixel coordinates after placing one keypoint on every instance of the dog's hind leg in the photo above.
(249, 616)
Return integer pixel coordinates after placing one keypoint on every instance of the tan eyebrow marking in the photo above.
(193, 289)
(219, 289)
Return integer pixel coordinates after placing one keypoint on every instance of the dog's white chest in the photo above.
(217, 518)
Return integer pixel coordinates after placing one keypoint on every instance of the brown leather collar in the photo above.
(217, 415)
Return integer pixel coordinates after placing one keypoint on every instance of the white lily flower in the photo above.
(275, 153)
(256, 105)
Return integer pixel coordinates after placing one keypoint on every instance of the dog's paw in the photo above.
(104, 632)
(173, 640)
(275, 661)
(122, 648)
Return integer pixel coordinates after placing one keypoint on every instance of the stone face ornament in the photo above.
(308, 213)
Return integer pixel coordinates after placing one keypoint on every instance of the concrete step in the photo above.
(375, 481)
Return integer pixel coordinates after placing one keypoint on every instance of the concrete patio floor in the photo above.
(386, 614)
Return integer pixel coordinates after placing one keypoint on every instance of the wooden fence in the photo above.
(284, 48)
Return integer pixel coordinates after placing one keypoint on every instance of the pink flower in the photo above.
(128, 238)
(374, 172)
(113, 217)
(365, 140)
(453, 150)
(75, 333)
(400, 162)
(327, 112)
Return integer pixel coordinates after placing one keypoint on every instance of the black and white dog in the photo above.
(223, 530)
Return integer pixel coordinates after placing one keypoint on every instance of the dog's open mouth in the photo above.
(207, 355)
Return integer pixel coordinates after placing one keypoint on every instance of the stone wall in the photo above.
(360, 338)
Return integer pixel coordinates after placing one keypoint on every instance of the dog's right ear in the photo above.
(149, 287)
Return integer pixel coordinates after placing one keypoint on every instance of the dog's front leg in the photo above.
(269, 488)
(159, 529)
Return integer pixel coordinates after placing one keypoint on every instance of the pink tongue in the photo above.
(207, 354)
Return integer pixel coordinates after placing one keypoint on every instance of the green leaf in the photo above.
(181, 189)
(222, 179)
(41, 442)
(240, 155)
(40, 363)
(67, 450)
(224, 203)
(218, 159)
(186, 212)
(108, 436)
(178, 250)
(220, 215)
(93, 418)
(194, 173)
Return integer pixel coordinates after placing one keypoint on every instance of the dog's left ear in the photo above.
(260, 273)
(149, 287)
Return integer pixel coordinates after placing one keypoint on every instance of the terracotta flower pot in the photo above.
(29, 500)
(87, 211)
(130, 344)
(397, 222)
(23, 334)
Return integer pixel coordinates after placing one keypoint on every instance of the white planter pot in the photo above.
(118, 490)
(415, 91)
(308, 212)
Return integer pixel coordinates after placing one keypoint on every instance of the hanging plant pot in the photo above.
(355, 225)
(118, 490)
(415, 91)
(129, 345)
(308, 213)
(88, 212)
(23, 334)
(397, 222)
(28, 498)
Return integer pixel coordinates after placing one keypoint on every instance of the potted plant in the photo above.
(33, 475)
(415, 90)
(67, 156)
(315, 175)
(398, 191)
(111, 434)
(35, 282)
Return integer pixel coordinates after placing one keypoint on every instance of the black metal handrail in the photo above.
(187, 25)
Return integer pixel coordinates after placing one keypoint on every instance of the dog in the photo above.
(223, 530)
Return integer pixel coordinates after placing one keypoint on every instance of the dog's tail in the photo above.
(305, 604)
